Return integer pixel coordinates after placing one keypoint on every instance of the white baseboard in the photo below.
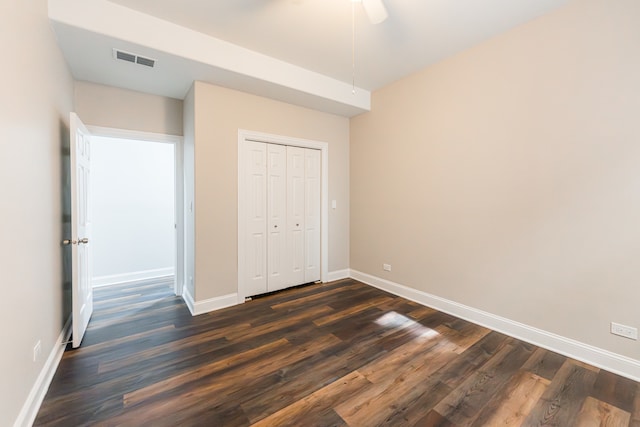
(131, 277)
(31, 406)
(211, 304)
(180, 288)
(188, 300)
(338, 275)
(595, 356)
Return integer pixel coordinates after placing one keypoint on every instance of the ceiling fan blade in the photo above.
(376, 11)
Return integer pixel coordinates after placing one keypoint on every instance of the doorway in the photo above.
(137, 209)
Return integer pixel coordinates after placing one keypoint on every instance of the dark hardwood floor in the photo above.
(339, 354)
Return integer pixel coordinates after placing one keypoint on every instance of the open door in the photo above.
(81, 290)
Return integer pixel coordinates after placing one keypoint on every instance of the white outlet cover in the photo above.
(624, 331)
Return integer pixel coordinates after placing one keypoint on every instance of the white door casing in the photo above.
(80, 240)
(277, 277)
(312, 211)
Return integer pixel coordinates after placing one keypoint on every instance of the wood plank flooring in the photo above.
(339, 354)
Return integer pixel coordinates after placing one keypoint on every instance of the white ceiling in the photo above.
(306, 41)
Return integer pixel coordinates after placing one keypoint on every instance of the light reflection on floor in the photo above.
(394, 319)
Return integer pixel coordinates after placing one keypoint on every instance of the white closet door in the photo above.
(295, 214)
(312, 215)
(277, 217)
(256, 217)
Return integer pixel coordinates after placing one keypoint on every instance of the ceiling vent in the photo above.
(133, 58)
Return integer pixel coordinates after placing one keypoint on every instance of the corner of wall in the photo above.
(188, 147)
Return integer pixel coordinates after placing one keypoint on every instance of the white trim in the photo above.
(31, 406)
(246, 135)
(179, 190)
(338, 275)
(108, 132)
(217, 303)
(595, 356)
(114, 279)
(179, 215)
(188, 300)
(211, 304)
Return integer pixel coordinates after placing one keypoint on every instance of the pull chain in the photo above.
(353, 48)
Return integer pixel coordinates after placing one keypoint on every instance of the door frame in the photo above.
(179, 199)
(252, 136)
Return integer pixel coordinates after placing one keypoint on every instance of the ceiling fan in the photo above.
(375, 9)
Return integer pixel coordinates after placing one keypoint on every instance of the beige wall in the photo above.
(507, 177)
(112, 107)
(37, 96)
(219, 113)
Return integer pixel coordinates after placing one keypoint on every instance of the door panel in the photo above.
(256, 217)
(312, 215)
(295, 214)
(277, 211)
(81, 290)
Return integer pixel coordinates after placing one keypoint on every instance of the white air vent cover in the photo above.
(133, 58)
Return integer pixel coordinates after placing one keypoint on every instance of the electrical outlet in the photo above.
(386, 267)
(624, 331)
(36, 351)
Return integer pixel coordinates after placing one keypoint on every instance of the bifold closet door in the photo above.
(277, 277)
(255, 272)
(282, 241)
(312, 215)
(296, 214)
(303, 214)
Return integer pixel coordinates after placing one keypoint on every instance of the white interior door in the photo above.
(277, 214)
(312, 197)
(256, 218)
(295, 214)
(82, 292)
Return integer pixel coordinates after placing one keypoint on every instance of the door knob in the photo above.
(275, 226)
(69, 242)
(84, 240)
